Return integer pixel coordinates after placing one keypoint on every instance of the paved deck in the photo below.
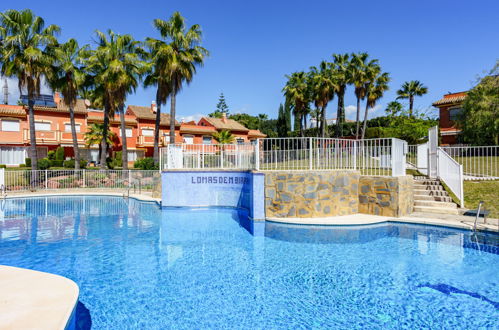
(35, 300)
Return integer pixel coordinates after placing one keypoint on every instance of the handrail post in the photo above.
(310, 154)
(257, 155)
(46, 180)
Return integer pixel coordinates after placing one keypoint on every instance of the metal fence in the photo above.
(29, 180)
(479, 163)
(383, 157)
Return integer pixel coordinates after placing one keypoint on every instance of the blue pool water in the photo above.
(141, 267)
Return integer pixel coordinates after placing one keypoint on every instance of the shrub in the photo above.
(59, 153)
(56, 163)
(71, 163)
(22, 165)
(27, 161)
(3, 166)
(116, 161)
(43, 164)
(145, 164)
(51, 155)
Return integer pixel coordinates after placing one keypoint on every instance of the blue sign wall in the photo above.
(241, 189)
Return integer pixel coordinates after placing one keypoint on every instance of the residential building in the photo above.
(53, 130)
(450, 107)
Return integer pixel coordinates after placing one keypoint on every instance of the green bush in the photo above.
(59, 153)
(56, 163)
(145, 164)
(116, 162)
(22, 165)
(71, 163)
(43, 164)
(27, 161)
(3, 166)
(51, 155)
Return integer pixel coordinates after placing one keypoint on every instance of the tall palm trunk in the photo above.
(75, 137)
(364, 126)
(32, 134)
(105, 129)
(124, 148)
(172, 113)
(157, 128)
(357, 118)
(340, 115)
(324, 122)
(411, 103)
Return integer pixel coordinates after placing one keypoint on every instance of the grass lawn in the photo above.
(486, 191)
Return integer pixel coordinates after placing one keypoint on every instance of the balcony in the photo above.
(53, 137)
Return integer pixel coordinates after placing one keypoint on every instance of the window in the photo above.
(206, 139)
(42, 126)
(455, 113)
(240, 141)
(12, 155)
(10, 125)
(67, 127)
(133, 155)
(147, 132)
(188, 139)
(128, 132)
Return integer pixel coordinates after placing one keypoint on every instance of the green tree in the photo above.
(296, 92)
(284, 120)
(322, 87)
(25, 55)
(479, 120)
(342, 75)
(94, 136)
(375, 88)
(409, 90)
(359, 78)
(68, 77)
(393, 108)
(223, 137)
(175, 57)
(222, 107)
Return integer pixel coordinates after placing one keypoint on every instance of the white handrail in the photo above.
(451, 173)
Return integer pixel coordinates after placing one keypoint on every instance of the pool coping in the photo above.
(140, 197)
(36, 300)
(366, 219)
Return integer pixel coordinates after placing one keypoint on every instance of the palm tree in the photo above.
(68, 77)
(322, 88)
(296, 92)
(95, 134)
(393, 108)
(359, 78)
(409, 90)
(25, 55)
(115, 67)
(223, 137)
(374, 91)
(341, 72)
(174, 61)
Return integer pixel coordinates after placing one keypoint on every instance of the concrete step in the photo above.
(431, 192)
(427, 187)
(431, 209)
(432, 198)
(435, 204)
(427, 182)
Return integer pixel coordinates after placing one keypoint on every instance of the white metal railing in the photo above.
(208, 156)
(480, 162)
(383, 157)
(22, 180)
(451, 173)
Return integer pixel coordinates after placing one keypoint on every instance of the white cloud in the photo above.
(350, 111)
(196, 117)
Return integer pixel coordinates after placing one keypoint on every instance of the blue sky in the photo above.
(253, 44)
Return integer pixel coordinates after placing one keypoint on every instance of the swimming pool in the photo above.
(138, 266)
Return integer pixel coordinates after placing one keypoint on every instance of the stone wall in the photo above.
(311, 193)
(387, 196)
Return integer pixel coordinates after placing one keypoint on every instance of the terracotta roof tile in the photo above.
(12, 110)
(79, 108)
(197, 129)
(450, 100)
(229, 124)
(256, 133)
(146, 113)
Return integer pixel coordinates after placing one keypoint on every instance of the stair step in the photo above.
(428, 182)
(427, 187)
(431, 209)
(422, 197)
(435, 204)
(431, 192)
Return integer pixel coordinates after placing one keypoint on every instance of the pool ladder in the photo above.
(478, 215)
(3, 191)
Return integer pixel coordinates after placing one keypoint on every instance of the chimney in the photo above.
(224, 117)
(57, 98)
(154, 108)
